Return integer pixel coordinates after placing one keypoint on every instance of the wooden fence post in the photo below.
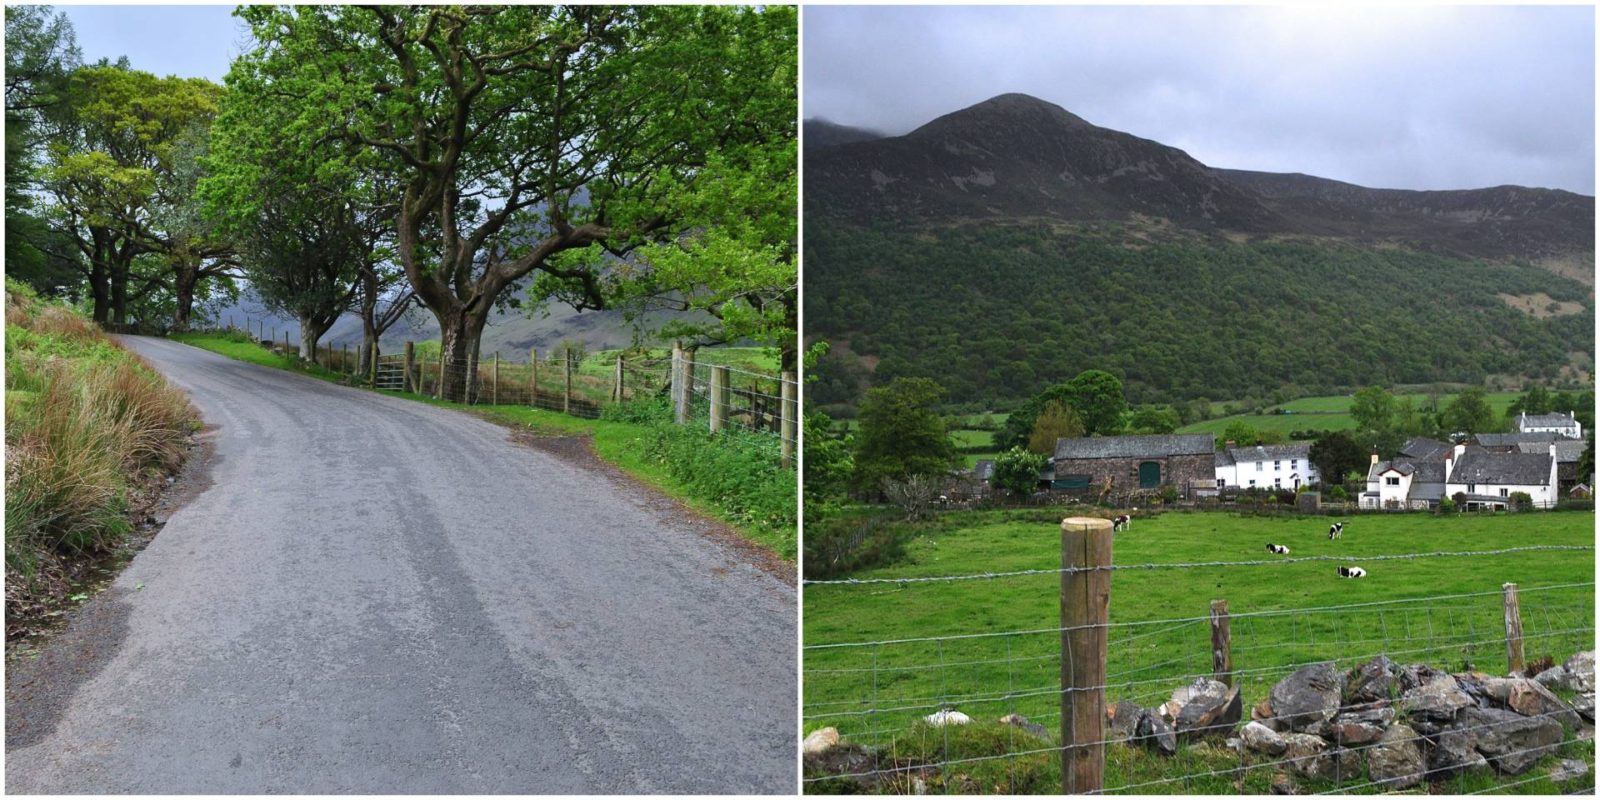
(719, 398)
(617, 391)
(688, 385)
(566, 391)
(494, 381)
(786, 414)
(679, 413)
(438, 389)
(1085, 607)
(1221, 643)
(372, 374)
(1515, 661)
(409, 383)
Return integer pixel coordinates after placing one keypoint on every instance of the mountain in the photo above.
(1005, 246)
(822, 133)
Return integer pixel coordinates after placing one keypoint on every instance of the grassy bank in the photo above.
(87, 424)
(1330, 413)
(734, 477)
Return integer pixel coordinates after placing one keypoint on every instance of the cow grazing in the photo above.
(1335, 530)
(1352, 572)
(1280, 549)
(1121, 522)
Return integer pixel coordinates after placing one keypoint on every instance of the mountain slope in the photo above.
(1008, 245)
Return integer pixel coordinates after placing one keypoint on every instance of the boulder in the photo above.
(819, 741)
(948, 716)
(1556, 678)
(1413, 676)
(1210, 714)
(1396, 760)
(1584, 705)
(847, 759)
(1019, 721)
(1375, 681)
(1262, 712)
(1453, 753)
(1155, 733)
(1262, 739)
(1510, 741)
(1313, 757)
(1569, 769)
(1310, 695)
(1121, 719)
(1581, 669)
(1432, 706)
(1282, 783)
(1530, 699)
(1354, 732)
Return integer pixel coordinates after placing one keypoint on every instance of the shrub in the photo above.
(1521, 501)
(1447, 506)
(839, 545)
(914, 495)
(1017, 470)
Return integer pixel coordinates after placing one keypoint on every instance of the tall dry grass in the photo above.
(85, 420)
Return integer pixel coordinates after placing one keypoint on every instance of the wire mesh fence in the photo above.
(970, 709)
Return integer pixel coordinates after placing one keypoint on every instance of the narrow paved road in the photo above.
(379, 596)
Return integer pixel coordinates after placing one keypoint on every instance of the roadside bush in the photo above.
(838, 545)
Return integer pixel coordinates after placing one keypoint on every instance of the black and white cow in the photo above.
(1121, 522)
(1280, 549)
(1352, 572)
(1335, 530)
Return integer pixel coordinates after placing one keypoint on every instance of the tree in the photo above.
(1154, 419)
(901, 434)
(1536, 400)
(634, 107)
(1095, 396)
(1240, 433)
(1017, 470)
(41, 52)
(1057, 421)
(1469, 412)
(1373, 409)
(828, 460)
(1337, 454)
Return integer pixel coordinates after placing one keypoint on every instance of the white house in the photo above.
(1564, 425)
(1488, 479)
(1285, 466)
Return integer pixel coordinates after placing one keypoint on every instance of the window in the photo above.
(1391, 481)
(1277, 465)
(1261, 465)
(1221, 482)
(1277, 481)
(1472, 488)
(1252, 483)
(1505, 492)
(1294, 463)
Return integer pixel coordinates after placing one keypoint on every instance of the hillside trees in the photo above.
(1095, 396)
(1058, 421)
(901, 434)
(536, 139)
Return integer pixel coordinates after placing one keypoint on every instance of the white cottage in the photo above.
(1278, 466)
(1563, 425)
(1486, 480)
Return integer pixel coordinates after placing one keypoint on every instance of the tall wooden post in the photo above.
(1515, 661)
(372, 368)
(616, 392)
(566, 390)
(410, 384)
(787, 408)
(719, 398)
(438, 389)
(1085, 608)
(679, 413)
(494, 381)
(533, 376)
(688, 385)
(1221, 643)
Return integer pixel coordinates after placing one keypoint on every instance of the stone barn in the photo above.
(1136, 462)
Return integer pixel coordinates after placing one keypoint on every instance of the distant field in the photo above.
(987, 677)
(1329, 412)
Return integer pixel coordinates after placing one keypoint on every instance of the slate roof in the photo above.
(1153, 446)
(1547, 420)
(1271, 452)
(1421, 447)
(1514, 439)
(1514, 469)
(1381, 467)
(1428, 471)
(1567, 450)
(983, 470)
(1224, 458)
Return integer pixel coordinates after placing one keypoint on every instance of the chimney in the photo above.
(1374, 456)
(1229, 445)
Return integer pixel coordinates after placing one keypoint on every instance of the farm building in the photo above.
(1563, 425)
(1183, 461)
(1568, 451)
(1479, 477)
(1278, 465)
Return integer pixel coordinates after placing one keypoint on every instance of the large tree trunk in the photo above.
(119, 293)
(311, 331)
(187, 275)
(100, 291)
(460, 336)
(369, 320)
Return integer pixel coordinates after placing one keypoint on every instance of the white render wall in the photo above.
(1241, 473)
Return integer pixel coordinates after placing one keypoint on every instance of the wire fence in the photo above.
(895, 699)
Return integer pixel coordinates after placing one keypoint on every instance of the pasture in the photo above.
(1328, 412)
(862, 675)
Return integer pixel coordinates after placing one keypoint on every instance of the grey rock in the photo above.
(1310, 695)
(1019, 721)
(1377, 680)
(1155, 733)
(1453, 753)
(1313, 757)
(1351, 733)
(1530, 699)
(1556, 677)
(1433, 705)
(1569, 769)
(1581, 668)
(1584, 705)
(819, 741)
(1121, 720)
(1396, 760)
(1510, 741)
(1413, 676)
(1210, 714)
(1262, 739)
(1282, 783)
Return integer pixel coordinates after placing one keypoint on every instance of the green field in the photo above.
(1160, 634)
(1324, 413)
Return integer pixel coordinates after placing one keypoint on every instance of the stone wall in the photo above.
(1179, 471)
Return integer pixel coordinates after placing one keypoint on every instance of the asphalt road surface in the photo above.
(379, 596)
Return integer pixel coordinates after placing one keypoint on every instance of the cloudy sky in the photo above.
(1412, 98)
(188, 41)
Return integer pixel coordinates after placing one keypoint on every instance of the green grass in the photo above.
(989, 677)
(1329, 412)
(618, 443)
